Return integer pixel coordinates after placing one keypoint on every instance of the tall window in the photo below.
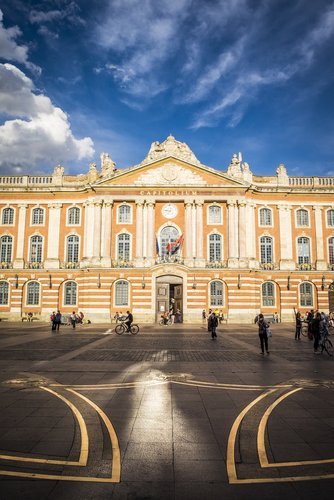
(33, 293)
(36, 246)
(268, 294)
(168, 234)
(73, 216)
(70, 295)
(215, 214)
(37, 216)
(215, 247)
(303, 250)
(6, 248)
(331, 250)
(216, 293)
(265, 217)
(72, 248)
(266, 250)
(306, 298)
(330, 218)
(121, 293)
(124, 214)
(4, 289)
(123, 247)
(302, 217)
(8, 216)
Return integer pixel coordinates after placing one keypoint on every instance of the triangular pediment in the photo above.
(171, 172)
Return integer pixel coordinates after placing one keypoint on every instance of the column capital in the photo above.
(231, 203)
(199, 202)
(317, 208)
(23, 206)
(140, 202)
(108, 203)
(150, 203)
(55, 205)
(188, 203)
(284, 208)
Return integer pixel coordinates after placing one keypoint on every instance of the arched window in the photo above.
(121, 293)
(33, 293)
(330, 218)
(70, 293)
(306, 297)
(6, 243)
(302, 217)
(215, 245)
(37, 216)
(266, 250)
(331, 250)
(265, 217)
(4, 293)
(168, 235)
(8, 215)
(216, 293)
(36, 247)
(124, 214)
(215, 215)
(123, 247)
(268, 294)
(303, 250)
(73, 216)
(72, 248)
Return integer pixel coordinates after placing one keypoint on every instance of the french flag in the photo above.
(157, 248)
(177, 245)
(169, 246)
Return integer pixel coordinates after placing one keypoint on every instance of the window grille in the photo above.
(124, 214)
(121, 293)
(303, 250)
(4, 293)
(73, 216)
(215, 215)
(72, 251)
(216, 294)
(266, 250)
(265, 217)
(37, 216)
(8, 216)
(268, 294)
(214, 247)
(70, 298)
(124, 247)
(36, 246)
(306, 299)
(302, 217)
(6, 248)
(33, 293)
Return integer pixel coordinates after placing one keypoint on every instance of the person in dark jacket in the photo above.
(263, 326)
(129, 320)
(212, 324)
(57, 320)
(298, 326)
(316, 331)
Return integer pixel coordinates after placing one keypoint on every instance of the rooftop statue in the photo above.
(170, 147)
(234, 168)
(108, 166)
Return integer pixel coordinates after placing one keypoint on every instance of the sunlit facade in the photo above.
(166, 228)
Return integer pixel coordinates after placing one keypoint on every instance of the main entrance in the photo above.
(169, 295)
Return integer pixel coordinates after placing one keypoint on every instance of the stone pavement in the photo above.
(167, 414)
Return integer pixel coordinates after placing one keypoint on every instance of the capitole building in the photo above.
(168, 230)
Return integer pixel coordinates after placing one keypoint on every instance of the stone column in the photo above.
(321, 264)
(145, 231)
(193, 232)
(253, 263)
(139, 231)
(242, 235)
(88, 233)
(52, 257)
(18, 263)
(188, 233)
(150, 231)
(106, 224)
(200, 261)
(97, 234)
(232, 235)
(285, 231)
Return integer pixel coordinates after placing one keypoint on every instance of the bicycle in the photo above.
(305, 331)
(162, 322)
(123, 327)
(326, 344)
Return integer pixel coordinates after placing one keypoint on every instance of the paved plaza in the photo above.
(167, 414)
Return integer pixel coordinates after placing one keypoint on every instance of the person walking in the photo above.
(73, 318)
(263, 326)
(298, 325)
(53, 319)
(208, 319)
(315, 328)
(57, 320)
(213, 323)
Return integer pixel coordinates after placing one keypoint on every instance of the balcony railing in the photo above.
(34, 265)
(305, 266)
(69, 265)
(169, 259)
(269, 266)
(122, 263)
(216, 264)
(6, 265)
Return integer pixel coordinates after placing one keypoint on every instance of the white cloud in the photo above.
(39, 130)
(10, 49)
(70, 12)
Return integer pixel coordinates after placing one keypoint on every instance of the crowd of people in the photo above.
(318, 324)
(73, 319)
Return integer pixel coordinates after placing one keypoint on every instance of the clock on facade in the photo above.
(169, 211)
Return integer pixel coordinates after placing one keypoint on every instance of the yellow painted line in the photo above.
(263, 458)
(248, 386)
(230, 458)
(287, 479)
(84, 440)
(55, 477)
(121, 385)
(229, 387)
(116, 454)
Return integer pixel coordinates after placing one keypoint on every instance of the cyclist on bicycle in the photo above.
(129, 320)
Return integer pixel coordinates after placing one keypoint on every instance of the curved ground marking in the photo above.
(229, 387)
(263, 458)
(116, 455)
(84, 441)
(119, 385)
(230, 459)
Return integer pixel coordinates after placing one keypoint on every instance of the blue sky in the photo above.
(80, 77)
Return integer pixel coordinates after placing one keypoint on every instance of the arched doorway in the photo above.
(169, 294)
